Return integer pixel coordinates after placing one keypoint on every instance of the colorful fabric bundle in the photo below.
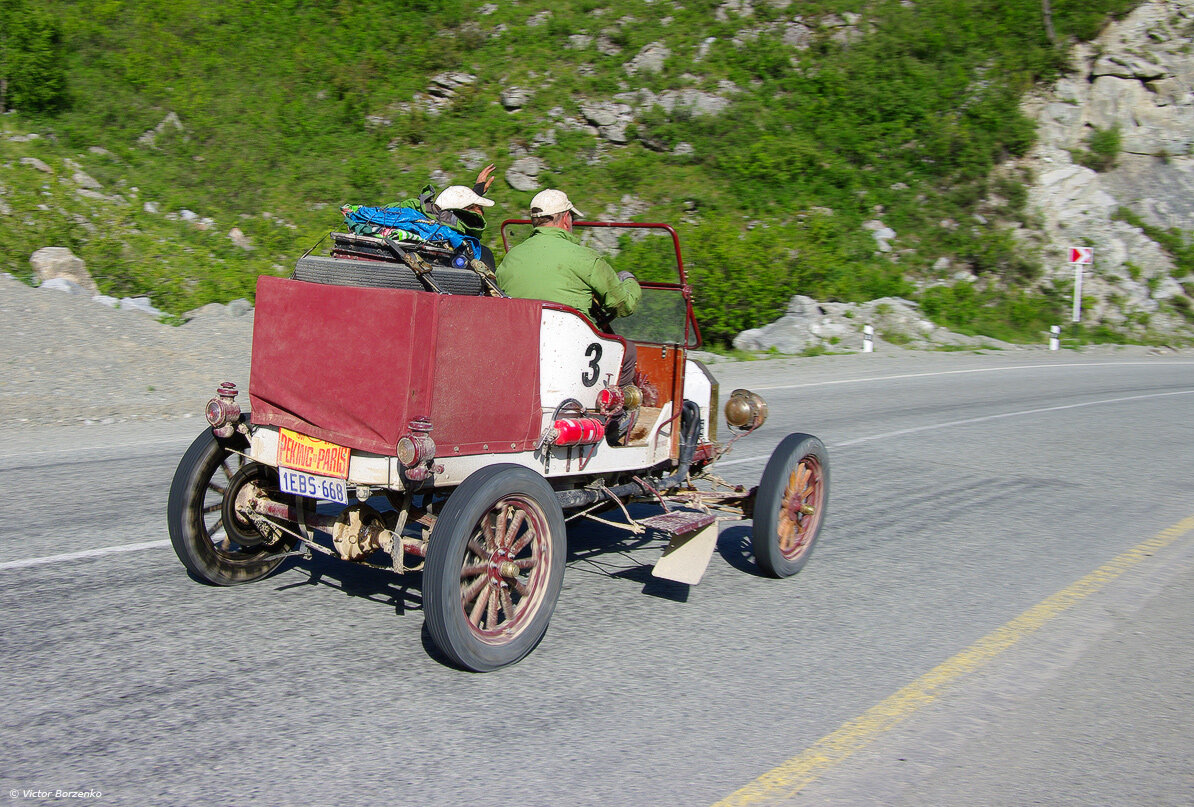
(405, 224)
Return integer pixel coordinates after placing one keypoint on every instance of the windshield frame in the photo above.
(692, 332)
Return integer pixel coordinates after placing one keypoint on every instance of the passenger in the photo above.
(460, 208)
(464, 204)
(552, 265)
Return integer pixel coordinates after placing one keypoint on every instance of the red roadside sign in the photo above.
(1082, 255)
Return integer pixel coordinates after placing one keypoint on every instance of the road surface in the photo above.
(967, 492)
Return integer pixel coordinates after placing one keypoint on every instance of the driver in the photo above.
(551, 264)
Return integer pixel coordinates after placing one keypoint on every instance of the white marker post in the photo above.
(1079, 257)
(1055, 337)
(868, 339)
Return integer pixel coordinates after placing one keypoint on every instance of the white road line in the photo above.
(949, 423)
(109, 550)
(967, 421)
(86, 553)
(976, 370)
(740, 460)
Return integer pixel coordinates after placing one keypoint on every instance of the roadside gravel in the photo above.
(68, 360)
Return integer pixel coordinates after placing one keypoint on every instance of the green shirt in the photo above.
(552, 265)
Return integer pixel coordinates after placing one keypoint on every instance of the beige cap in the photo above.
(551, 202)
(458, 197)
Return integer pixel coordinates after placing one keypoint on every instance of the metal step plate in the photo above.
(678, 522)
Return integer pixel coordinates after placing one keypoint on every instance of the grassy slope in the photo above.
(909, 120)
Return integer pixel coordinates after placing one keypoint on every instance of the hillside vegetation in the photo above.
(837, 111)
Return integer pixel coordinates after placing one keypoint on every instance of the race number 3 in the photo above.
(590, 378)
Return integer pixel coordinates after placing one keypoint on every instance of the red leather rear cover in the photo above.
(354, 365)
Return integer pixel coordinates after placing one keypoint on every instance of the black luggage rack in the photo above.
(362, 260)
(370, 248)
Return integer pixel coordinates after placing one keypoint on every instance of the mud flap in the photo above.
(687, 555)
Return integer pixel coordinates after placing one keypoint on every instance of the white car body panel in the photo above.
(365, 468)
(569, 365)
(698, 388)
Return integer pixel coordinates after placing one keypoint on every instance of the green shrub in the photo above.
(32, 59)
(1014, 191)
(1179, 246)
(1012, 317)
(1183, 306)
(1102, 149)
(996, 251)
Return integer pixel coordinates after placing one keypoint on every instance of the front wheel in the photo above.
(495, 564)
(214, 542)
(790, 505)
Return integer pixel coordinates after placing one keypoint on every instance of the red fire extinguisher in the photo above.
(577, 431)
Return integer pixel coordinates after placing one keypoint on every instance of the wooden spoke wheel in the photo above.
(216, 544)
(495, 564)
(790, 505)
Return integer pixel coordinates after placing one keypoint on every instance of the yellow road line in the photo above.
(789, 778)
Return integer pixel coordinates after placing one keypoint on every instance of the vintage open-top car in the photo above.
(479, 422)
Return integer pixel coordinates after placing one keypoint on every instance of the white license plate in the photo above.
(301, 483)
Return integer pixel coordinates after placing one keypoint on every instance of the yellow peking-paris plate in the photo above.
(311, 467)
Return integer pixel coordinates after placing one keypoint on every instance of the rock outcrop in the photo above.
(1138, 78)
(611, 119)
(523, 173)
(169, 123)
(648, 60)
(59, 263)
(811, 325)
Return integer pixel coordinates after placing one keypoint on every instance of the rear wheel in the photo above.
(495, 564)
(216, 544)
(790, 505)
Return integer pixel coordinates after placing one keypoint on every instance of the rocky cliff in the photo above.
(1137, 78)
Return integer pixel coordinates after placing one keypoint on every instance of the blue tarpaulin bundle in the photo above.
(406, 220)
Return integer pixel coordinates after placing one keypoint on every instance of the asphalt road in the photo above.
(967, 490)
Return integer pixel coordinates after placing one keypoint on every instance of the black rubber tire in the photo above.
(459, 523)
(771, 511)
(206, 463)
(385, 275)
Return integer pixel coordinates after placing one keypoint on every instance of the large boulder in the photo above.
(36, 164)
(514, 98)
(81, 177)
(215, 311)
(445, 85)
(59, 262)
(797, 34)
(610, 118)
(809, 324)
(648, 60)
(523, 173)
